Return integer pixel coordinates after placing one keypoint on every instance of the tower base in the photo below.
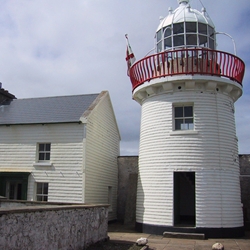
(235, 232)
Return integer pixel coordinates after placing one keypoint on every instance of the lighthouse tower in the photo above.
(188, 177)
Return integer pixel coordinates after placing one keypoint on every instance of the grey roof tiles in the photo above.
(59, 109)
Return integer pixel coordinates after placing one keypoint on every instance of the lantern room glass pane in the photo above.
(191, 27)
(159, 35)
(178, 28)
(202, 40)
(211, 44)
(202, 28)
(167, 31)
(191, 39)
(168, 42)
(179, 40)
(211, 31)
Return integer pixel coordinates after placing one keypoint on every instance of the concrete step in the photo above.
(180, 235)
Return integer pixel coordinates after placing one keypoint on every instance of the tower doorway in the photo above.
(184, 199)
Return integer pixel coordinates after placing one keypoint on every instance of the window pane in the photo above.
(47, 156)
(45, 188)
(191, 27)
(45, 198)
(188, 111)
(178, 111)
(211, 43)
(191, 39)
(210, 31)
(167, 31)
(178, 124)
(184, 126)
(41, 147)
(189, 123)
(39, 188)
(168, 42)
(159, 33)
(178, 40)
(47, 147)
(39, 198)
(202, 28)
(41, 156)
(178, 28)
(159, 47)
(202, 40)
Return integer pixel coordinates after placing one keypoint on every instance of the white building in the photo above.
(59, 149)
(188, 158)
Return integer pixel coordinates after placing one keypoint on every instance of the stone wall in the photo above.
(52, 227)
(245, 185)
(127, 187)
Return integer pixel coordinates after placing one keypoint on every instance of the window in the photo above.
(183, 117)
(42, 191)
(187, 34)
(43, 152)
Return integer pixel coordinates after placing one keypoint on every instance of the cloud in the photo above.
(61, 47)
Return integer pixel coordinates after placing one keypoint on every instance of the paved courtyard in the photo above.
(118, 232)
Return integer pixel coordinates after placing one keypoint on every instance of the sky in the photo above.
(70, 47)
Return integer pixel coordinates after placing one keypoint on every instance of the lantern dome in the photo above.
(185, 27)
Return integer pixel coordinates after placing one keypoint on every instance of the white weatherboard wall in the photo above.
(102, 149)
(210, 151)
(65, 177)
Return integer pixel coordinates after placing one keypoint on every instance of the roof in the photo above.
(184, 13)
(59, 109)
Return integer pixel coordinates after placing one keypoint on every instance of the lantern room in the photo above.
(185, 28)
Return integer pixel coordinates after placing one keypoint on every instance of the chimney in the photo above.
(5, 95)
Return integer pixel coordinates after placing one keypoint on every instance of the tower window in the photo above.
(183, 117)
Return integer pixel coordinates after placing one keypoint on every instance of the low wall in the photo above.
(52, 226)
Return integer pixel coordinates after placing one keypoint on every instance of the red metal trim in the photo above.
(187, 61)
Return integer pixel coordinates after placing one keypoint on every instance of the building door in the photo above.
(14, 190)
(184, 199)
(14, 185)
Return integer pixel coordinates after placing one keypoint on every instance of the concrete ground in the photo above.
(120, 233)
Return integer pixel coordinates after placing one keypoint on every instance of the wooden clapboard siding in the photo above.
(65, 176)
(102, 150)
(210, 151)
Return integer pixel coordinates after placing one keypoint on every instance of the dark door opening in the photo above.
(184, 199)
(14, 185)
(14, 190)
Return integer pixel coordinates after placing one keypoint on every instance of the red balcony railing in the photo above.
(187, 62)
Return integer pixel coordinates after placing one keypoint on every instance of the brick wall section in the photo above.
(245, 184)
(53, 227)
(127, 188)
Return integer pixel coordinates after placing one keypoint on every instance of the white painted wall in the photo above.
(102, 150)
(65, 176)
(211, 151)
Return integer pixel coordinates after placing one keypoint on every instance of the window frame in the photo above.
(44, 195)
(45, 152)
(183, 117)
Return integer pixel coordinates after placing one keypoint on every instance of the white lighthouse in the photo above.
(188, 159)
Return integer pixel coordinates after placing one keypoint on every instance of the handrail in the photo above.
(200, 61)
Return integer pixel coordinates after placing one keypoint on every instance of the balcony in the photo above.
(200, 61)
